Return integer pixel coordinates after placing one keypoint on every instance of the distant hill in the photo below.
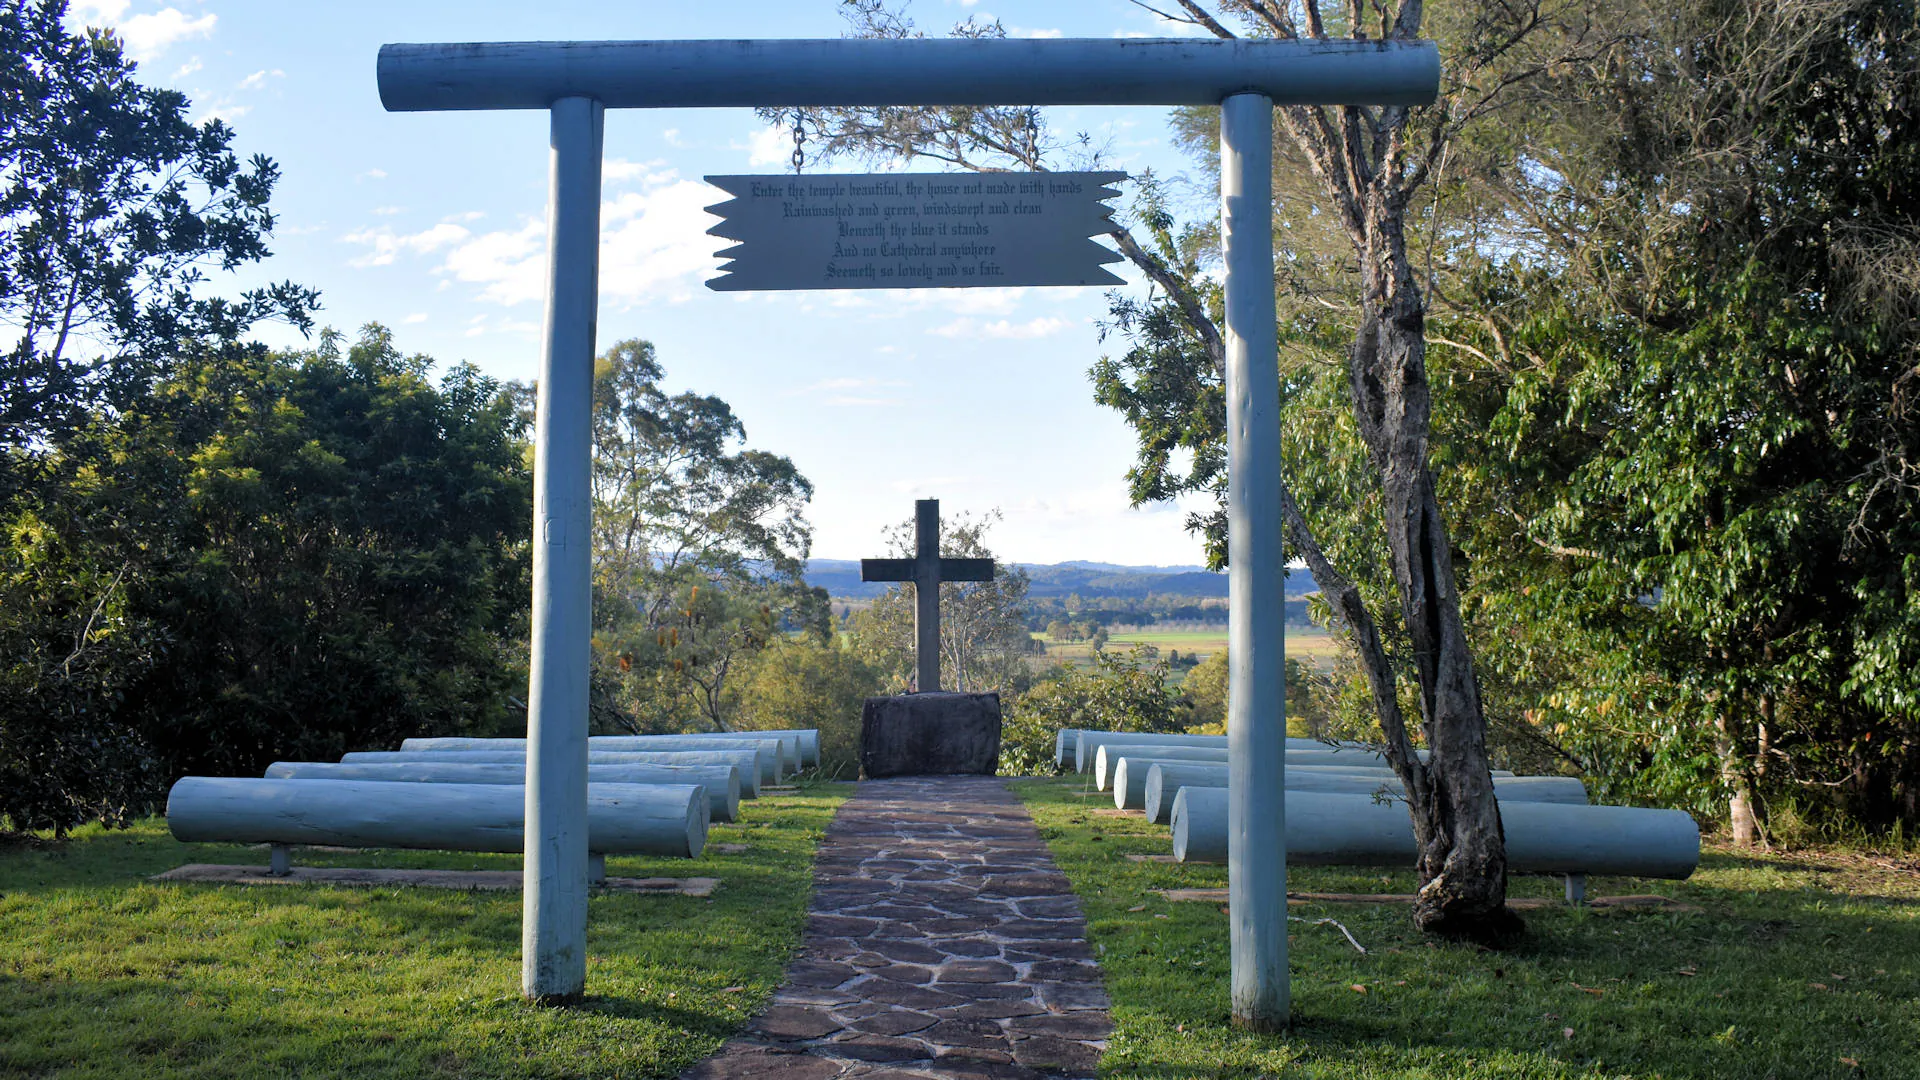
(841, 578)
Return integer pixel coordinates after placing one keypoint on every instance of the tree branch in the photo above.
(1191, 309)
(1352, 611)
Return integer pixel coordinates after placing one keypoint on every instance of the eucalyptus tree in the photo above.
(699, 547)
(1352, 179)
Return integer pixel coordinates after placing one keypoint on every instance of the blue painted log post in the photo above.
(1256, 571)
(1086, 745)
(791, 749)
(784, 752)
(1106, 763)
(922, 71)
(553, 931)
(1317, 758)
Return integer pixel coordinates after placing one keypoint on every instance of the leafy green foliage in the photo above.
(803, 682)
(1121, 692)
(271, 556)
(1205, 689)
(1705, 462)
(111, 202)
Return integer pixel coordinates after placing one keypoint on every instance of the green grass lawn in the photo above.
(106, 974)
(1797, 967)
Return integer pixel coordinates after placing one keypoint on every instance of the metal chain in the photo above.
(799, 142)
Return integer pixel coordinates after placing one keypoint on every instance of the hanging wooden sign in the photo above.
(914, 230)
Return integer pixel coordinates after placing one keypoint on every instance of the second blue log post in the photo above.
(1256, 572)
(553, 926)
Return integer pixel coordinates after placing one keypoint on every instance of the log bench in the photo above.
(622, 819)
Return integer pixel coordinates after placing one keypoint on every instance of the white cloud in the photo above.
(653, 246)
(621, 171)
(971, 328)
(373, 174)
(259, 78)
(471, 215)
(386, 245)
(656, 239)
(222, 110)
(97, 12)
(389, 211)
(862, 402)
(768, 146)
(188, 68)
(483, 326)
(415, 318)
(1025, 32)
(509, 266)
(671, 137)
(146, 35)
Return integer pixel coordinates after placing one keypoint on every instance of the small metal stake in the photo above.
(279, 860)
(1576, 889)
(596, 868)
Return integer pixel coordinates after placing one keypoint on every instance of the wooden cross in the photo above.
(926, 570)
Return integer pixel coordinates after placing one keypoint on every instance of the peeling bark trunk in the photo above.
(1463, 864)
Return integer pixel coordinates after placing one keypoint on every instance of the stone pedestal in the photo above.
(935, 734)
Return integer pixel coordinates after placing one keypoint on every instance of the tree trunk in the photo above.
(1736, 772)
(1462, 866)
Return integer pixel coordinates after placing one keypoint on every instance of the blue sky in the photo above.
(434, 224)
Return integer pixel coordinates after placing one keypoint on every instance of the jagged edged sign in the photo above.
(914, 230)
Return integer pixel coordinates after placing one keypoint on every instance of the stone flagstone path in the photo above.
(942, 942)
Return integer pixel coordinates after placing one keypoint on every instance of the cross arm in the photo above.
(916, 71)
(966, 569)
(886, 569)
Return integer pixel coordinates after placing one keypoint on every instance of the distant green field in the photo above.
(1309, 643)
